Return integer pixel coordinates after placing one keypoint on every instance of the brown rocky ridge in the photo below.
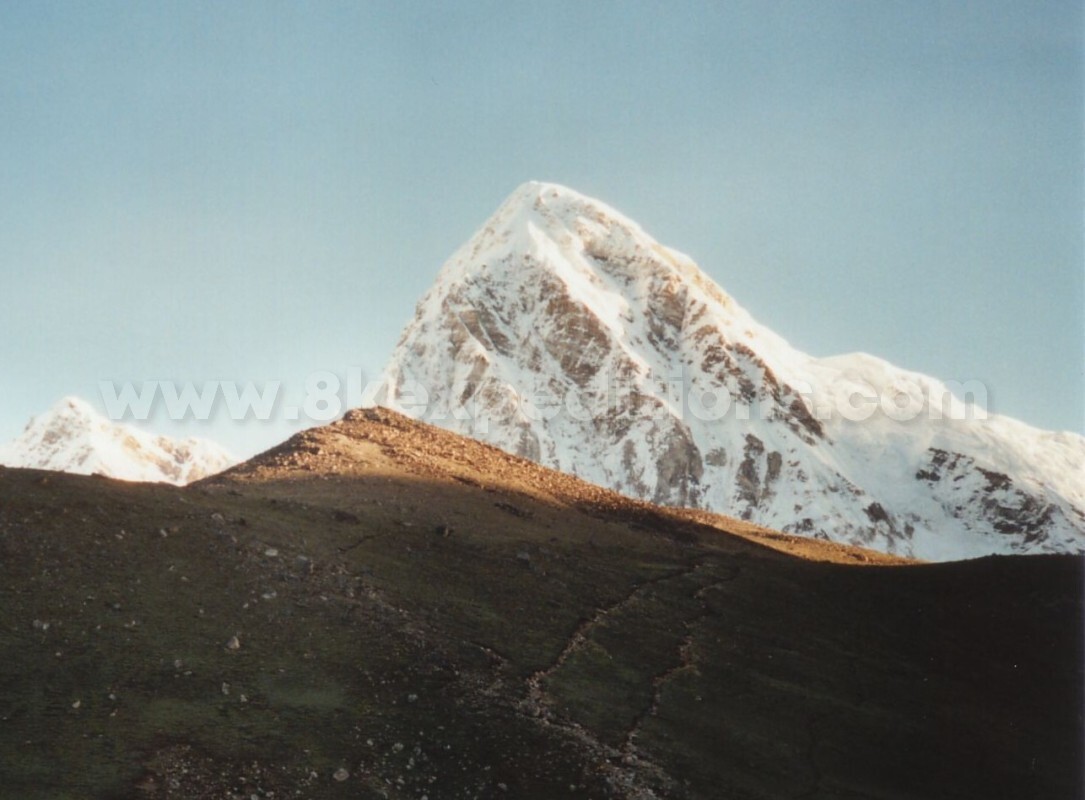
(380, 608)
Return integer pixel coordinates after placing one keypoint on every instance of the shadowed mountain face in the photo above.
(379, 608)
(563, 332)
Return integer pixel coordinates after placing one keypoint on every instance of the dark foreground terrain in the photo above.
(381, 609)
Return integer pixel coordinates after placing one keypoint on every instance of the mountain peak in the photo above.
(67, 418)
(531, 191)
(550, 239)
(558, 209)
(73, 406)
(564, 333)
(535, 189)
(565, 204)
(73, 437)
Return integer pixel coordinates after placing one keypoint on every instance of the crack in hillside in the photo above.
(535, 700)
(631, 774)
(624, 773)
(685, 662)
(627, 768)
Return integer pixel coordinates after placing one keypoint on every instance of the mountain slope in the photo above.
(562, 332)
(73, 437)
(382, 609)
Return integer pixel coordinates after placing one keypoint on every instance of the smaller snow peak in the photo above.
(67, 415)
(73, 437)
(73, 405)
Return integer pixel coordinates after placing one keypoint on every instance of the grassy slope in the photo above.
(557, 642)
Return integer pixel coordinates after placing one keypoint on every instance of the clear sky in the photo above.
(253, 191)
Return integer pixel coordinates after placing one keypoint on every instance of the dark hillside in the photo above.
(382, 609)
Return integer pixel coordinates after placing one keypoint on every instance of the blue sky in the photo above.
(254, 191)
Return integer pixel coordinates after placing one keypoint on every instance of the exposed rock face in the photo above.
(562, 332)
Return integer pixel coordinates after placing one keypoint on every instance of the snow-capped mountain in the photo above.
(563, 332)
(73, 437)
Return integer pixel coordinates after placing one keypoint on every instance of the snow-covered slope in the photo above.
(73, 437)
(563, 332)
